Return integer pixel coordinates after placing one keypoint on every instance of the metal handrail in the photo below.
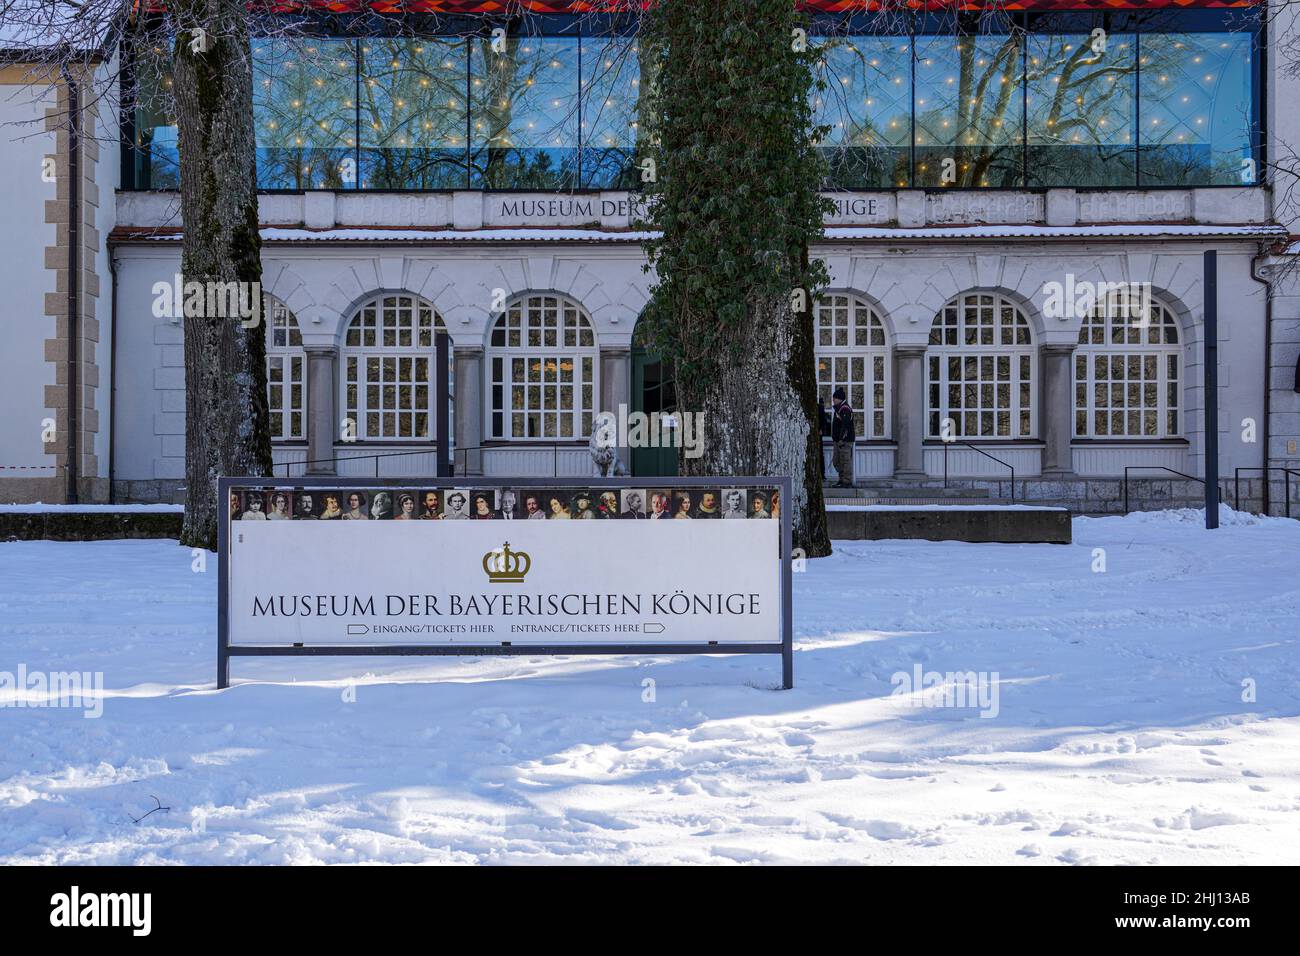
(555, 457)
(1128, 468)
(967, 444)
(553, 446)
(1267, 470)
(376, 456)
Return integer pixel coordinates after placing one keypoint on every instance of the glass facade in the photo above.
(1165, 99)
(1081, 109)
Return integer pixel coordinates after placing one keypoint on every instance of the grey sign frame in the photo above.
(226, 650)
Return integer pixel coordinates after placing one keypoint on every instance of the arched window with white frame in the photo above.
(286, 367)
(388, 369)
(981, 370)
(852, 353)
(542, 370)
(1128, 371)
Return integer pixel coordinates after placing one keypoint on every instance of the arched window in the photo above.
(542, 370)
(980, 370)
(286, 365)
(851, 353)
(388, 364)
(1127, 376)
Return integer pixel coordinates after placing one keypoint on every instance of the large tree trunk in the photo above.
(760, 415)
(736, 202)
(226, 423)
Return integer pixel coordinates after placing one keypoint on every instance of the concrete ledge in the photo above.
(88, 525)
(1013, 525)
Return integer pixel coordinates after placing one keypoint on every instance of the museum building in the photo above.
(1023, 198)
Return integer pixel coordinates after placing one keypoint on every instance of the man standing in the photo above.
(839, 422)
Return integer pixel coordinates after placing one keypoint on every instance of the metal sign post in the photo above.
(442, 404)
(295, 646)
(1211, 365)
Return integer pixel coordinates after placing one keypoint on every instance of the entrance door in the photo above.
(652, 391)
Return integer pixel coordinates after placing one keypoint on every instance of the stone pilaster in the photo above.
(322, 417)
(467, 405)
(909, 411)
(1056, 409)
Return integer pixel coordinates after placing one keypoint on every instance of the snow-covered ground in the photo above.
(1121, 734)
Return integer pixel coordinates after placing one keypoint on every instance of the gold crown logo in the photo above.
(504, 566)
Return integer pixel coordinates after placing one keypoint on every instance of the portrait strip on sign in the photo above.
(549, 565)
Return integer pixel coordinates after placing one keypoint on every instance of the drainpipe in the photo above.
(112, 380)
(1265, 431)
(74, 279)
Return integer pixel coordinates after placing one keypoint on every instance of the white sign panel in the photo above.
(502, 581)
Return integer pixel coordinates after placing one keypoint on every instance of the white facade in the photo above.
(905, 254)
(907, 273)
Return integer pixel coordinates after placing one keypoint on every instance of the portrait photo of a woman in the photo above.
(356, 507)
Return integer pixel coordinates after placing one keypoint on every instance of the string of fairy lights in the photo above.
(883, 94)
(520, 100)
(439, 93)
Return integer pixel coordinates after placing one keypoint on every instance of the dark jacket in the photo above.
(838, 423)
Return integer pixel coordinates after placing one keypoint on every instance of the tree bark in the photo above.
(760, 415)
(226, 422)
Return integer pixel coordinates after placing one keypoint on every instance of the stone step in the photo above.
(904, 491)
(920, 500)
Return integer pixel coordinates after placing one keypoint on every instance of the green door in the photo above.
(652, 391)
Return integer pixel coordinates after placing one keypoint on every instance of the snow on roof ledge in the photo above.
(831, 233)
(32, 29)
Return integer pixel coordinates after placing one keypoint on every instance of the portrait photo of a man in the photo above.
(582, 505)
(305, 507)
(430, 506)
(660, 505)
(381, 506)
(534, 510)
(733, 503)
(633, 503)
(709, 506)
(332, 511)
(457, 505)
(507, 503)
(607, 505)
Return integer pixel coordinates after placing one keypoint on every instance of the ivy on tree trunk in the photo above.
(226, 422)
(734, 195)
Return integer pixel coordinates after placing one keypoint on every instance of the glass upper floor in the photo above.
(1024, 100)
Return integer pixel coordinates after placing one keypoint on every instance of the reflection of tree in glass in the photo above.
(1196, 108)
(412, 113)
(614, 74)
(864, 105)
(970, 116)
(524, 112)
(157, 162)
(304, 114)
(1080, 103)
